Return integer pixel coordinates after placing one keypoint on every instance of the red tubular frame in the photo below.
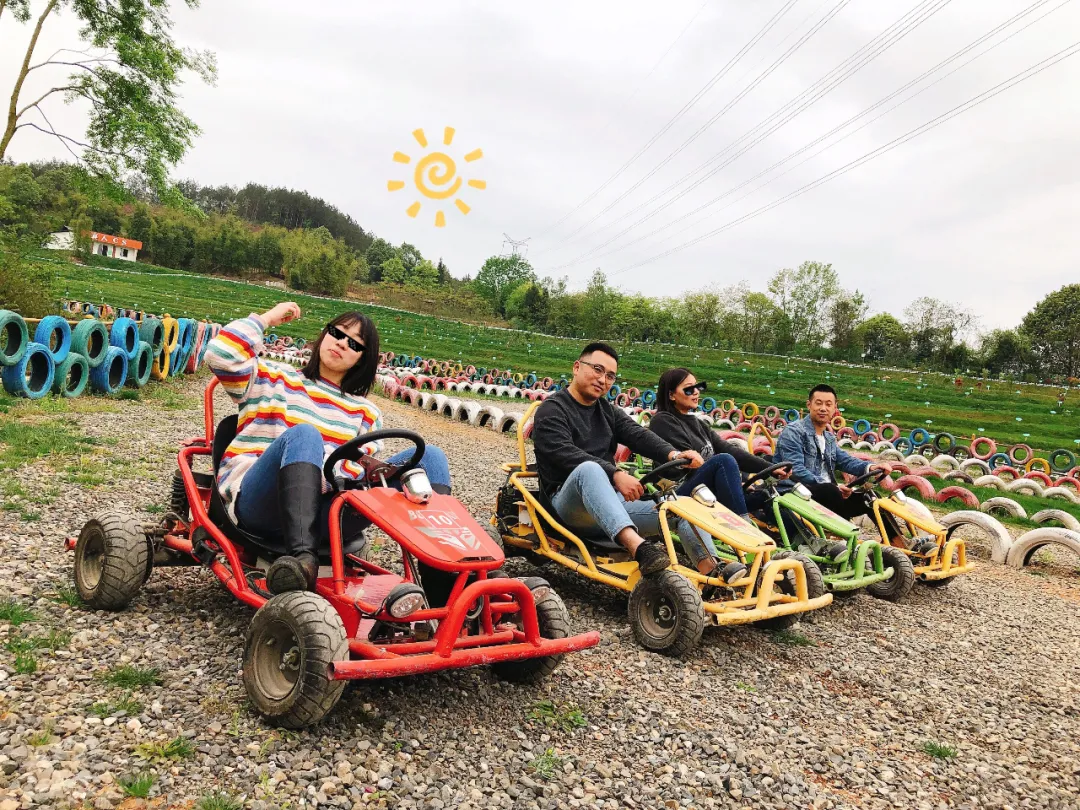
(449, 649)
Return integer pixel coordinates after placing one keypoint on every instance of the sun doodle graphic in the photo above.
(436, 177)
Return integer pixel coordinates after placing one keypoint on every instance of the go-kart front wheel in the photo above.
(291, 643)
(901, 582)
(554, 622)
(666, 614)
(112, 561)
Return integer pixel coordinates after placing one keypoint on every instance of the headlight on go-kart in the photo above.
(404, 600)
(703, 495)
(803, 492)
(900, 496)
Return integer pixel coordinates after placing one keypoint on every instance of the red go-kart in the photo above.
(363, 621)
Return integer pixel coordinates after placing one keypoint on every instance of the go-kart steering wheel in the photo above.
(763, 474)
(350, 451)
(681, 465)
(873, 477)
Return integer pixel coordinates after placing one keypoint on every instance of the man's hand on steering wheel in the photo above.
(873, 475)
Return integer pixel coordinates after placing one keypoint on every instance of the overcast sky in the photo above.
(982, 209)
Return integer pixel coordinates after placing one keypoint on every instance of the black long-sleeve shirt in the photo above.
(688, 432)
(567, 434)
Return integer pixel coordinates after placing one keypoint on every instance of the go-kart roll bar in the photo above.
(208, 410)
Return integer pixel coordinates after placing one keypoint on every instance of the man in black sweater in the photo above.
(575, 435)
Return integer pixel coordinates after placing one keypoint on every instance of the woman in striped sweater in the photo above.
(290, 421)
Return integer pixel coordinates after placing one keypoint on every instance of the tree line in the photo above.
(804, 312)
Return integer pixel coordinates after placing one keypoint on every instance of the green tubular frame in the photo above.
(865, 564)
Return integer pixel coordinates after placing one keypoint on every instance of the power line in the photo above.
(682, 111)
(745, 91)
(515, 245)
(926, 74)
(971, 103)
(819, 89)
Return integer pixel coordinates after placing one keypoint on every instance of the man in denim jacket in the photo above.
(812, 450)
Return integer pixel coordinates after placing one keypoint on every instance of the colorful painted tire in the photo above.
(902, 444)
(110, 376)
(160, 369)
(152, 331)
(1007, 473)
(125, 336)
(1040, 476)
(14, 337)
(838, 422)
(750, 410)
(944, 442)
(172, 332)
(771, 412)
(54, 334)
(924, 487)
(90, 338)
(918, 437)
(861, 426)
(72, 376)
(792, 415)
(141, 367)
(1036, 463)
(894, 431)
(983, 447)
(1016, 450)
(31, 377)
(648, 397)
(1062, 460)
(708, 404)
(966, 496)
(998, 460)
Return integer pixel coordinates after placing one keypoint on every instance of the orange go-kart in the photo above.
(363, 621)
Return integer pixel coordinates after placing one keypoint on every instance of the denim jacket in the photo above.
(798, 444)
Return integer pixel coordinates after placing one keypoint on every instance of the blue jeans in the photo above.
(720, 473)
(587, 503)
(257, 503)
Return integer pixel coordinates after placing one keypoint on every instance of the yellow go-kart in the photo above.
(936, 556)
(669, 611)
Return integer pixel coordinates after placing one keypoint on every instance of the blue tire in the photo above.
(152, 331)
(139, 369)
(861, 426)
(110, 376)
(1062, 460)
(90, 338)
(54, 334)
(648, 396)
(71, 376)
(32, 376)
(902, 444)
(708, 405)
(124, 335)
(999, 460)
(792, 415)
(14, 337)
(918, 437)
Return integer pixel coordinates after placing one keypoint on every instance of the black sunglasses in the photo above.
(690, 389)
(337, 334)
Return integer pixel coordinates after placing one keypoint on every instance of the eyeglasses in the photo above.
(600, 371)
(337, 334)
(690, 389)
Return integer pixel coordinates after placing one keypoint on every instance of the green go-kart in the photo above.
(847, 562)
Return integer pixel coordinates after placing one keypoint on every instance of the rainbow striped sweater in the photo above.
(273, 398)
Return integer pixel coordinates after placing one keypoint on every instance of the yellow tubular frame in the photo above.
(940, 565)
(767, 603)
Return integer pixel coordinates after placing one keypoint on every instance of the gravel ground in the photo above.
(838, 713)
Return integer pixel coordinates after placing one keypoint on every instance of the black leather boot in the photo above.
(299, 488)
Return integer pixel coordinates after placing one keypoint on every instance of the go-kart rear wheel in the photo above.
(666, 614)
(291, 643)
(554, 621)
(815, 587)
(113, 558)
(901, 582)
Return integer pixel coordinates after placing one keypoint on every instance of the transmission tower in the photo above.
(515, 246)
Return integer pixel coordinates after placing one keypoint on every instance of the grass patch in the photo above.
(176, 748)
(53, 640)
(67, 595)
(23, 442)
(547, 764)
(218, 801)
(154, 508)
(25, 664)
(745, 687)
(87, 471)
(129, 677)
(15, 613)
(938, 751)
(567, 716)
(43, 737)
(137, 786)
(793, 638)
(127, 704)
